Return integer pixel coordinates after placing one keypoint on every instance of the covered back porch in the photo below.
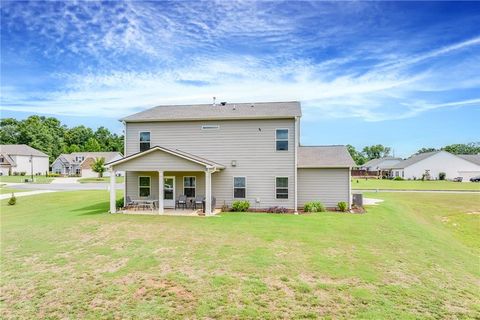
(162, 180)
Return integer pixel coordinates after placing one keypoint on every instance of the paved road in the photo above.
(64, 186)
(425, 191)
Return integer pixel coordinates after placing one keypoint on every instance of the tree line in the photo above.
(380, 151)
(50, 136)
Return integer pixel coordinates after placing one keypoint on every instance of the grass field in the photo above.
(21, 179)
(100, 180)
(5, 190)
(413, 185)
(414, 256)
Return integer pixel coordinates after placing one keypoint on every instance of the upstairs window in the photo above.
(79, 158)
(281, 139)
(189, 186)
(144, 186)
(144, 141)
(239, 187)
(281, 187)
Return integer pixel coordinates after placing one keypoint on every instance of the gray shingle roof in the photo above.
(475, 158)
(21, 150)
(256, 110)
(414, 159)
(375, 162)
(324, 157)
(70, 157)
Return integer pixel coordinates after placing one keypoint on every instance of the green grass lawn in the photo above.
(100, 180)
(413, 256)
(21, 179)
(413, 185)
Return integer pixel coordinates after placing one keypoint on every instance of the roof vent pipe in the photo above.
(214, 101)
(223, 103)
(234, 107)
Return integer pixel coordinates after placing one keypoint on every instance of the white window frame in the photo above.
(210, 127)
(194, 187)
(288, 189)
(140, 142)
(79, 158)
(149, 186)
(288, 139)
(233, 187)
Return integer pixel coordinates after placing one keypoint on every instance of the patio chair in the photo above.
(129, 203)
(198, 202)
(181, 202)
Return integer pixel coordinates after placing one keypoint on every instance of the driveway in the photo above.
(64, 180)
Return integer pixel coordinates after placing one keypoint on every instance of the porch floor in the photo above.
(171, 212)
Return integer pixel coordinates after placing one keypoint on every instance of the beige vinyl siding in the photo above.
(329, 186)
(250, 143)
(132, 183)
(159, 161)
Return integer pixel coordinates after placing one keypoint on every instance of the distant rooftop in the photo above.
(324, 157)
(21, 150)
(229, 111)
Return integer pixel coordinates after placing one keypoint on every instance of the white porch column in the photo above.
(160, 192)
(208, 192)
(113, 197)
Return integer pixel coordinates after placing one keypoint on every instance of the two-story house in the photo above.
(229, 151)
(80, 163)
(22, 159)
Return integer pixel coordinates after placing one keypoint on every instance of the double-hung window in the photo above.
(189, 186)
(239, 187)
(281, 187)
(281, 139)
(144, 186)
(144, 141)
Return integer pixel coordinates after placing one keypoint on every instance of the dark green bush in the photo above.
(12, 201)
(240, 206)
(314, 206)
(119, 203)
(342, 206)
(442, 176)
(398, 179)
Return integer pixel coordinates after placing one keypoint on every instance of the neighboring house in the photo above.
(381, 164)
(228, 152)
(20, 158)
(432, 163)
(80, 163)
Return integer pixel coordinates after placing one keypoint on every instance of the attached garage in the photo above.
(324, 175)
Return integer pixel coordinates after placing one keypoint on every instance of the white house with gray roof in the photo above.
(20, 158)
(433, 163)
(380, 164)
(227, 152)
(80, 163)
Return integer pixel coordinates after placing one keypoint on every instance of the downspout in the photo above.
(295, 202)
(125, 154)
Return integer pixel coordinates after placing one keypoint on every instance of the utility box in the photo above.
(357, 199)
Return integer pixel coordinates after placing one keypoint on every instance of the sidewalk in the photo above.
(23, 194)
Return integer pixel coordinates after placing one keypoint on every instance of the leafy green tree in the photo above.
(78, 135)
(99, 166)
(358, 157)
(462, 148)
(8, 131)
(92, 145)
(376, 151)
(425, 150)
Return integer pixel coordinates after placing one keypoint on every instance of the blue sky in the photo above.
(404, 74)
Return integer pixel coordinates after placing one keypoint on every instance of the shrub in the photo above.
(342, 206)
(277, 210)
(23, 173)
(398, 179)
(12, 201)
(442, 176)
(53, 175)
(314, 206)
(16, 173)
(240, 206)
(119, 203)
